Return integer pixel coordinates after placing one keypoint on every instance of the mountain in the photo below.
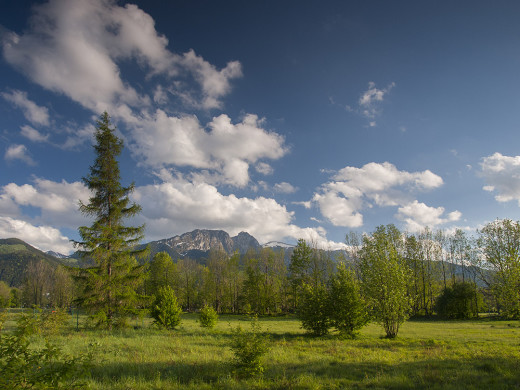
(198, 243)
(278, 244)
(15, 255)
(57, 255)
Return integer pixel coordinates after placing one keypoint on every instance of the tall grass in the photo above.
(480, 354)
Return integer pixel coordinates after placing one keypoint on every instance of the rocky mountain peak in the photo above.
(243, 241)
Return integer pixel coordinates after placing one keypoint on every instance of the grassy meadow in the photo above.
(480, 354)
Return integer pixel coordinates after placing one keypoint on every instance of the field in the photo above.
(481, 354)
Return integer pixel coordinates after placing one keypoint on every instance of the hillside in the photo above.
(15, 255)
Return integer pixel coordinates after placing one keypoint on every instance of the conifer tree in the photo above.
(109, 287)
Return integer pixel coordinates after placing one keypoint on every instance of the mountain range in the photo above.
(16, 254)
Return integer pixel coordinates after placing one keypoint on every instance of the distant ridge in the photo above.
(15, 256)
(278, 244)
(198, 243)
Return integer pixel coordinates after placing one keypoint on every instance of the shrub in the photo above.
(23, 366)
(348, 311)
(3, 318)
(166, 312)
(208, 317)
(249, 347)
(53, 321)
(314, 309)
(460, 301)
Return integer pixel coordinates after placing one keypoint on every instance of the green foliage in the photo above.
(348, 310)
(264, 285)
(166, 312)
(459, 301)
(308, 266)
(3, 318)
(109, 287)
(249, 347)
(24, 366)
(15, 256)
(163, 272)
(386, 278)
(5, 295)
(314, 309)
(499, 242)
(53, 322)
(208, 317)
(15, 297)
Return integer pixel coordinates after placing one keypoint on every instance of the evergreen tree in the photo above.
(109, 287)
(166, 312)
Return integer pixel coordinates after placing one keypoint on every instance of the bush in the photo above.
(348, 311)
(314, 309)
(23, 366)
(208, 317)
(166, 312)
(460, 301)
(249, 348)
(53, 321)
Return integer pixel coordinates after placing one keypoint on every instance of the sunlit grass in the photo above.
(479, 354)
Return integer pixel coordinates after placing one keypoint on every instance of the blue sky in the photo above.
(287, 120)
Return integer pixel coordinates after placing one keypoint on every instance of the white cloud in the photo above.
(177, 205)
(306, 204)
(18, 152)
(35, 114)
(418, 216)
(354, 189)
(33, 134)
(73, 47)
(338, 210)
(57, 202)
(370, 100)
(78, 136)
(264, 168)
(373, 95)
(214, 83)
(43, 237)
(285, 188)
(502, 175)
(226, 149)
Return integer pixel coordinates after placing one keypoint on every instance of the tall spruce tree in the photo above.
(109, 287)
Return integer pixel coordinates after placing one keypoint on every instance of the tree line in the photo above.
(387, 275)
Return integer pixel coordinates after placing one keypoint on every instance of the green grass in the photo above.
(480, 354)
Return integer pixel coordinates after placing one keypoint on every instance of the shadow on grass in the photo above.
(476, 373)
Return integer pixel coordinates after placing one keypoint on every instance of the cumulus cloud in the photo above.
(19, 152)
(57, 202)
(418, 216)
(353, 189)
(177, 205)
(225, 148)
(74, 48)
(45, 238)
(35, 114)
(502, 175)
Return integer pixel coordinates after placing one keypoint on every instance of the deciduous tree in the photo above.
(386, 278)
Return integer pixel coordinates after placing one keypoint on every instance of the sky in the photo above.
(284, 119)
